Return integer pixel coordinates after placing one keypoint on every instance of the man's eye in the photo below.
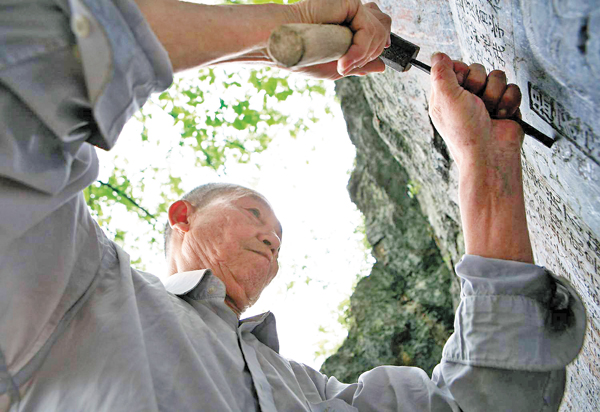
(255, 212)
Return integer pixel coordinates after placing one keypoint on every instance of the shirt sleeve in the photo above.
(71, 74)
(516, 329)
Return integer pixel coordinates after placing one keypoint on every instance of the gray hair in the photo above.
(202, 196)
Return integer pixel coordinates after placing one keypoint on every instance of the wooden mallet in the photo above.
(299, 45)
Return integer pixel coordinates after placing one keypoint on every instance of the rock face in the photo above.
(402, 313)
(552, 51)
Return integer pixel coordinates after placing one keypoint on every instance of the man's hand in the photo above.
(200, 35)
(371, 29)
(470, 110)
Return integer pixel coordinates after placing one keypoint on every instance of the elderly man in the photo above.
(80, 330)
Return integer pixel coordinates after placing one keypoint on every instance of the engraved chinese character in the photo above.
(535, 98)
(587, 134)
(495, 4)
(565, 123)
(498, 53)
(473, 35)
(496, 29)
(592, 242)
(541, 104)
(482, 17)
(571, 220)
(485, 39)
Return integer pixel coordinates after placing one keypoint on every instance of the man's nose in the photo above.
(272, 240)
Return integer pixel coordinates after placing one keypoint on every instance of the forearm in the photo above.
(199, 35)
(493, 210)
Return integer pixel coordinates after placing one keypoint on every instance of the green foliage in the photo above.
(344, 315)
(389, 323)
(325, 348)
(413, 189)
(211, 121)
(362, 230)
(218, 116)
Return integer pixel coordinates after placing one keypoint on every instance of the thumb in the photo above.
(443, 77)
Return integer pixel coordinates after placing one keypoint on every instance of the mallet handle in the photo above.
(298, 45)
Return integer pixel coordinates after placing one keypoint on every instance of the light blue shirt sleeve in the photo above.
(71, 73)
(516, 329)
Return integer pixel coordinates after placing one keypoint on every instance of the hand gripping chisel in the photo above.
(298, 45)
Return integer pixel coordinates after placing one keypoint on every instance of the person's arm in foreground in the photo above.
(517, 326)
(72, 74)
(488, 154)
(199, 35)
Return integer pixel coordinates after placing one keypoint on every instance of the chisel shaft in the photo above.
(527, 128)
(297, 45)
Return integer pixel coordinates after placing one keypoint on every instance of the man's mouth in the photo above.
(262, 254)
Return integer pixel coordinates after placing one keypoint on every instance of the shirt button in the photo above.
(211, 290)
(82, 26)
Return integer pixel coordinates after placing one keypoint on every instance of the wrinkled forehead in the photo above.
(245, 193)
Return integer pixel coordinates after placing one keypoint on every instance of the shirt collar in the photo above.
(202, 284)
(264, 328)
(181, 283)
(197, 285)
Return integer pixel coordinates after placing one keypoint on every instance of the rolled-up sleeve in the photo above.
(515, 315)
(72, 72)
(516, 329)
(123, 61)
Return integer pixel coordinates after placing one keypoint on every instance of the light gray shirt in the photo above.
(81, 330)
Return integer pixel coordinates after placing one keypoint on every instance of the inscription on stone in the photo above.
(572, 127)
(486, 33)
(547, 48)
(564, 244)
(562, 241)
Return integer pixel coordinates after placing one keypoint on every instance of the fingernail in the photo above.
(436, 57)
(389, 42)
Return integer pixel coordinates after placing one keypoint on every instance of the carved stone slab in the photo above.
(551, 50)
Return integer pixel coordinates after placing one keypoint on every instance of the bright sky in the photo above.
(305, 180)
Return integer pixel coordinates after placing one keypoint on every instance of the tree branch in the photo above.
(127, 197)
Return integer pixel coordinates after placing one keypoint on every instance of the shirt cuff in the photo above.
(123, 61)
(515, 315)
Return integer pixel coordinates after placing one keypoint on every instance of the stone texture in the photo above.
(402, 313)
(551, 50)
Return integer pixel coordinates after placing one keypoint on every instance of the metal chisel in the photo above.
(307, 44)
(401, 55)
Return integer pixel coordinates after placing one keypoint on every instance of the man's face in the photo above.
(238, 237)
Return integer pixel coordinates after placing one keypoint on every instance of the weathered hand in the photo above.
(487, 150)
(371, 29)
(470, 110)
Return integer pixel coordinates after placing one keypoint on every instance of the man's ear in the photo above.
(179, 213)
